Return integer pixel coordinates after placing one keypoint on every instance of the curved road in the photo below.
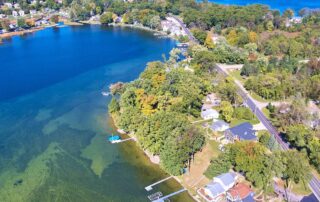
(314, 183)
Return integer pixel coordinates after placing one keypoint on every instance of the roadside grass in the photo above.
(236, 74)
(259, 98)
(215, 148)
(300, 189)
(266, 112)
(235, 122)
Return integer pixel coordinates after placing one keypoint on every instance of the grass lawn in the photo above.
(215, 148)
(258, 97)
(236, 75)
(235, 122)
(300, 189)
(266, 112)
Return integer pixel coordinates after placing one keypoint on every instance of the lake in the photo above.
(54, 119)
(281, 5)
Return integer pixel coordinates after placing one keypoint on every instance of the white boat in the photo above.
(105, 93)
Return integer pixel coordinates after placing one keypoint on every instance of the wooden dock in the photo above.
(120, 141)
(149, 188)
(169, 195)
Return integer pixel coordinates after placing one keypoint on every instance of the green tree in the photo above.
(199, 34)
(297, 168)
(106, 18)
(218, 166)
(209, 42)
(299, 135)
(226, 110)
(264, 138)
(289, 13)
(21, 22)
(113, 105)
(98, 10)
(155, 22)
(269, 26)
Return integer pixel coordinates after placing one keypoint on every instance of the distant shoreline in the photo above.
(81, 23)
(19, 33)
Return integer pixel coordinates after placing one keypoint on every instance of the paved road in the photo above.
(314, 183)
(187, 31)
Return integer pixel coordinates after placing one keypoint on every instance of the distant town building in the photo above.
(16, 6)
(172, 26)
(33, 12)
(9, 5)
(21, 13)
(15, 14)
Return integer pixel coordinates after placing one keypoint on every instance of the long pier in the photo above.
(120, 141)
(149, 188)
(169, 195)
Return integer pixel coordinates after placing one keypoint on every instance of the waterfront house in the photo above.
(241, 132)
(209, 114)
(219, 126)
(9, 5)
(240, 193)
(16, 6)
(12, 26)
(33, 12)
(216, 190)
(15, 14)
(21, 13)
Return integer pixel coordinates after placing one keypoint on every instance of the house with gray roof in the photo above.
(216, 190)
(219, 126)
(209, 114)
(241, 132)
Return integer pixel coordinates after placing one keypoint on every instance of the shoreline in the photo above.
(153, 159)
(20, 33)
(81, 23)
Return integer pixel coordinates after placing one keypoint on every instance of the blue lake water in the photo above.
(54, 120)
(281, 5)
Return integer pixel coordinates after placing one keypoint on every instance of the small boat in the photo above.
(105, 93)
(114, 139)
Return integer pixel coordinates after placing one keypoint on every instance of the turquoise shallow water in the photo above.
(53, 118)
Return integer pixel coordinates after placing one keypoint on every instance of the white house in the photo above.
(16, 6)
(21, 13)
(33, 12)
(9, 5)
(216, 190)
(15, 14)
(209, 114)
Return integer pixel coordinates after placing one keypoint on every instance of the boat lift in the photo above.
(149, 188)
(169, 195)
